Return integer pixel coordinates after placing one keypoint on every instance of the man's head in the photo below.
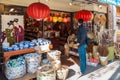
(80, 21)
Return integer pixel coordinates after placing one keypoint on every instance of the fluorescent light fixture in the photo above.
(11, 10)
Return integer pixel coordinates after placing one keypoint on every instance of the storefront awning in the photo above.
(113, 2)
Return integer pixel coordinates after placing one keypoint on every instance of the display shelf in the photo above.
(7, 55)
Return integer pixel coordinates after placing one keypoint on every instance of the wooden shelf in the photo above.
(7, 55)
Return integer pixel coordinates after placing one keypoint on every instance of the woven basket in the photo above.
(53, 55)
(46, 73)
(62, 73)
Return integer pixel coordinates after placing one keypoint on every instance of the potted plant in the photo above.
(103, 53)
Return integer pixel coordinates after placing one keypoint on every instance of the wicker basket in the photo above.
(62, 73)
(46, 73)
(53, 55)
(56, 64)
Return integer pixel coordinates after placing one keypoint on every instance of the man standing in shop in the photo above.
(81, 39)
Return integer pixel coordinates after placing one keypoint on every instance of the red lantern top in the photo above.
(84, 14)
(38, 10)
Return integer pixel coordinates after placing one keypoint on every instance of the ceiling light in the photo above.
(47, 0)
(11, 10)
(100, 6)
(70, 3)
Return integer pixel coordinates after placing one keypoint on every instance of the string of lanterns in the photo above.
(41, 11)
(58, 17)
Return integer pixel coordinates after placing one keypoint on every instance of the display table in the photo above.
(104, 73)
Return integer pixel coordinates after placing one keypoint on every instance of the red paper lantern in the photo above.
(84, 14)
(38, 10)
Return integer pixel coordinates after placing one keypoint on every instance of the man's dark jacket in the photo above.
(81, 35)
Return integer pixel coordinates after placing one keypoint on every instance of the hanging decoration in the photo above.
(38, 10)
(68, 18)
(60, 17)
(55, 19)
(84, 14)
(65, 19)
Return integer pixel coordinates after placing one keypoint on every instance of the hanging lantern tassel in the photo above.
(85, 15)
(38, 11)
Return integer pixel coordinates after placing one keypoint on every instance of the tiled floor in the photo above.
(73, 63)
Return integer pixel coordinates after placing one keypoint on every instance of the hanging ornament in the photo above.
(60, 19)
(51, 18)
(55, 19)
(68, 18)
(65, 20)
(38, 10)
(84, 14)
